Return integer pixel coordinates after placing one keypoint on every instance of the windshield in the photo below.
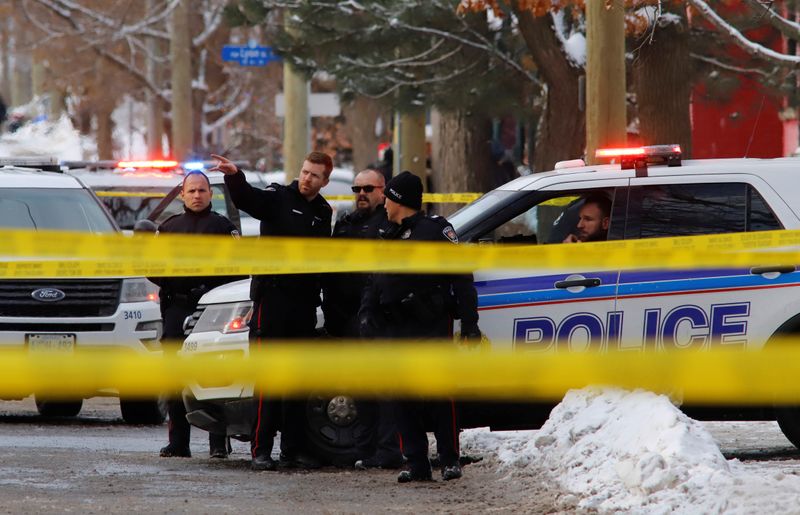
(128, 204)
(471, 214)
(52, 209)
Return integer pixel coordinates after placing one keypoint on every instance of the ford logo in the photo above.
(48, 294)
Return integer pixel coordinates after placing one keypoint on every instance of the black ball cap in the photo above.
(405, 189)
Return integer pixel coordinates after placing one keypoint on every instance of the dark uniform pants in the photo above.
(383, 440)
(275, 317)
(179, 429)
(413, 415)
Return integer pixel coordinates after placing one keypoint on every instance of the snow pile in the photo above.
(44, 139)
(617, 451)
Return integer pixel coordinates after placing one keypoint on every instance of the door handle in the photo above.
(590, 282)
(785, 269)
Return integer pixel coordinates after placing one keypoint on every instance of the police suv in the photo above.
(69, 315)
(652, 193)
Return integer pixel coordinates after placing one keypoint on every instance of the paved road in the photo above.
(97, 464)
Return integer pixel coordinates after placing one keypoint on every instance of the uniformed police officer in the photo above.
(285, 306)
(179, 297)
(379, 447)
(420, 306)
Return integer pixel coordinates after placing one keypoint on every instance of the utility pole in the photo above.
(181, 64)
(605, 76)
(296, 116)
(155, 111)
(409, 144)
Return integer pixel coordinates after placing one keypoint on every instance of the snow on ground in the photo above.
(45, 139)
(618, 451)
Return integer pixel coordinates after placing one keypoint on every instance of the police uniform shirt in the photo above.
(283, 211)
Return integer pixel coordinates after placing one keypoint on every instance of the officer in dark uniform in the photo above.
(285, 306)
(179, 297)
(420, 306)
(379, 446)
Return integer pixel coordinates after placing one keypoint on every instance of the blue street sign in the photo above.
(249, 55)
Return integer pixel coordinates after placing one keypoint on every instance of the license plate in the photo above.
(51, 342)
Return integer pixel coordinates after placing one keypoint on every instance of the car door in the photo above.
(700, 308)
(544, 310)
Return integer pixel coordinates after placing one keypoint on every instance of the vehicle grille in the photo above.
(56, 328)
(193, 322)
(83, 298)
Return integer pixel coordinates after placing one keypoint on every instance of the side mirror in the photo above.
(145, 226)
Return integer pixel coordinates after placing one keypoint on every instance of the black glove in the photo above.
(470, 333)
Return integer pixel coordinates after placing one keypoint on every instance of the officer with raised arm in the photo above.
(284, 306)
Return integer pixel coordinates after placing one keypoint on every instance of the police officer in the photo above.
(379, 447)
(179, 297)
(420, 306)
(285, 306)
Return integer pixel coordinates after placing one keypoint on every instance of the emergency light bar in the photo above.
(195, 166)
(639, 157)
(148, 164)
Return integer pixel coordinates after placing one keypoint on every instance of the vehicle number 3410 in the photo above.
(133, 315)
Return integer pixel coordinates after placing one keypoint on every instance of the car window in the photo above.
(694, 209)
(547, 218)
(52, 209)
(175, 206)
(129, 204)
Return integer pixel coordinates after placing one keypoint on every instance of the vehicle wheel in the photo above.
(58, 408)
(333, 428)
(789, 422)
(144, 411)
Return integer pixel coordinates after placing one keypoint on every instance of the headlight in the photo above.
(225, 318)
(138, 290)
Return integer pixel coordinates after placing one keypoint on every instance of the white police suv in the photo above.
(69, 315)
(651, 194)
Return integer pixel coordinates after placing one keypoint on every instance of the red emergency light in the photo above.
(639, 157)
(157, 164)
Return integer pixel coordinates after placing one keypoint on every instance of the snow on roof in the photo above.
(612, 450)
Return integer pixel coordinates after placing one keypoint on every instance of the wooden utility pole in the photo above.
(155, 109)
(606, 124)
(296, 136)
(5, 51)
(409, 146)
(181, 65)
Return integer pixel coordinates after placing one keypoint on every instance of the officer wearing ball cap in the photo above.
(420, 306)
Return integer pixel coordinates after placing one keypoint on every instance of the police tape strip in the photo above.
(720, 376)
(41, 254)
(429, 198)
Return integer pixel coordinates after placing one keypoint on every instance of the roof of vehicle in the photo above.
(133, 179)
(13, 177)
(777, 169)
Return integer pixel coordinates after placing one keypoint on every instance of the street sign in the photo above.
(249, 55)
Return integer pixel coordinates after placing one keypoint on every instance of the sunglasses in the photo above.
(367, 189)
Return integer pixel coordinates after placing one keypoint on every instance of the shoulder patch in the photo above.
(450, 234)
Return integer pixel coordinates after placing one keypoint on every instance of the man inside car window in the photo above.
(593, 220)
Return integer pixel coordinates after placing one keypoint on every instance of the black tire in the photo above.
(330, 437)
(48, 408)
(143, 411)
(789, 422)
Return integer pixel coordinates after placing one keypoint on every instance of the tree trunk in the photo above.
(5, 51)
(361, 116)
(606, 113)
(181, 64)
(21, 82)
(461, 159)
(155, 109)
(662, 89)
(562, 128)
(103, 107)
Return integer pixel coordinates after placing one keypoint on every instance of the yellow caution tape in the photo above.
(32, 254)
(431, 198)
(721, 376)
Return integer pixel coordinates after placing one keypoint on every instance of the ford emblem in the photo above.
(48, 294)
